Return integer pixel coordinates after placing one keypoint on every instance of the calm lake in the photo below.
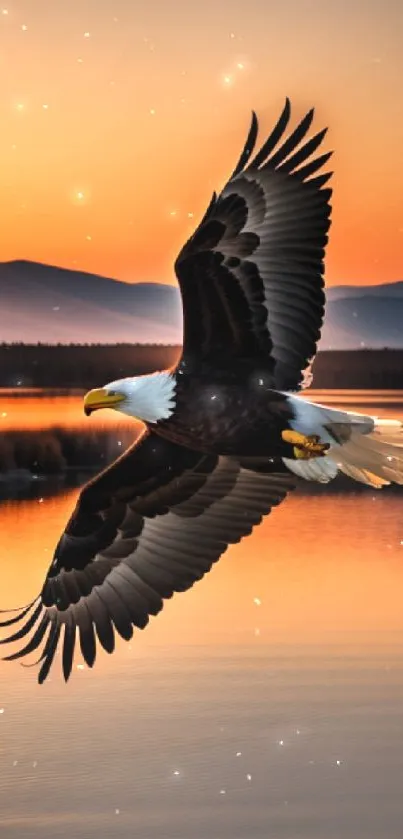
(265, 703)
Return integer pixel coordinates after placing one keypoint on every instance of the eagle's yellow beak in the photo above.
(100, 398)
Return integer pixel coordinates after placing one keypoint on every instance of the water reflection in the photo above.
(48, 435)
(227, 716)
(266, 701)
(47, 445)
(30, 410)
(314, 568)
(55, 450)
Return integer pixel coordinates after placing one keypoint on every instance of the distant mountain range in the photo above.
(43, 303)
(363, 316)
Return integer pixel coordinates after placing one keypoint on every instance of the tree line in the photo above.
(85, 365)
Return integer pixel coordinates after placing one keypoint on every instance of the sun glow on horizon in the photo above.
(129, 105)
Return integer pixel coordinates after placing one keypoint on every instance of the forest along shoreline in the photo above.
(81, 365)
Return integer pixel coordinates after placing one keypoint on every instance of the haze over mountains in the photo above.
(44, 303)
(49, 304)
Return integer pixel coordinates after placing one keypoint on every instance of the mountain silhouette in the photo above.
(44, 303)
(366, 321)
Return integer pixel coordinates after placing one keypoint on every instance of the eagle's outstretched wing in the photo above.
(151, 524)
(251, 276)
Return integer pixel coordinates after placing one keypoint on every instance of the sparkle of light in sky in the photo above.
(120, 118)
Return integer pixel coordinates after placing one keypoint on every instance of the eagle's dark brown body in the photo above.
(232, 410)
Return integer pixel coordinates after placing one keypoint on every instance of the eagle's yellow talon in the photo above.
(304, 447)
(293, 437)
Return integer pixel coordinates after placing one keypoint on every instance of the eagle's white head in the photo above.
(149, 398)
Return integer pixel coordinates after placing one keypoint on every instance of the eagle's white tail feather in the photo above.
(368, 449)
(371, 458)
(320, 469)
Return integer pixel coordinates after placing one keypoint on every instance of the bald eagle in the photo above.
(225, 436)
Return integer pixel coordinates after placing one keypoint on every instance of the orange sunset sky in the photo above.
(119, 119)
